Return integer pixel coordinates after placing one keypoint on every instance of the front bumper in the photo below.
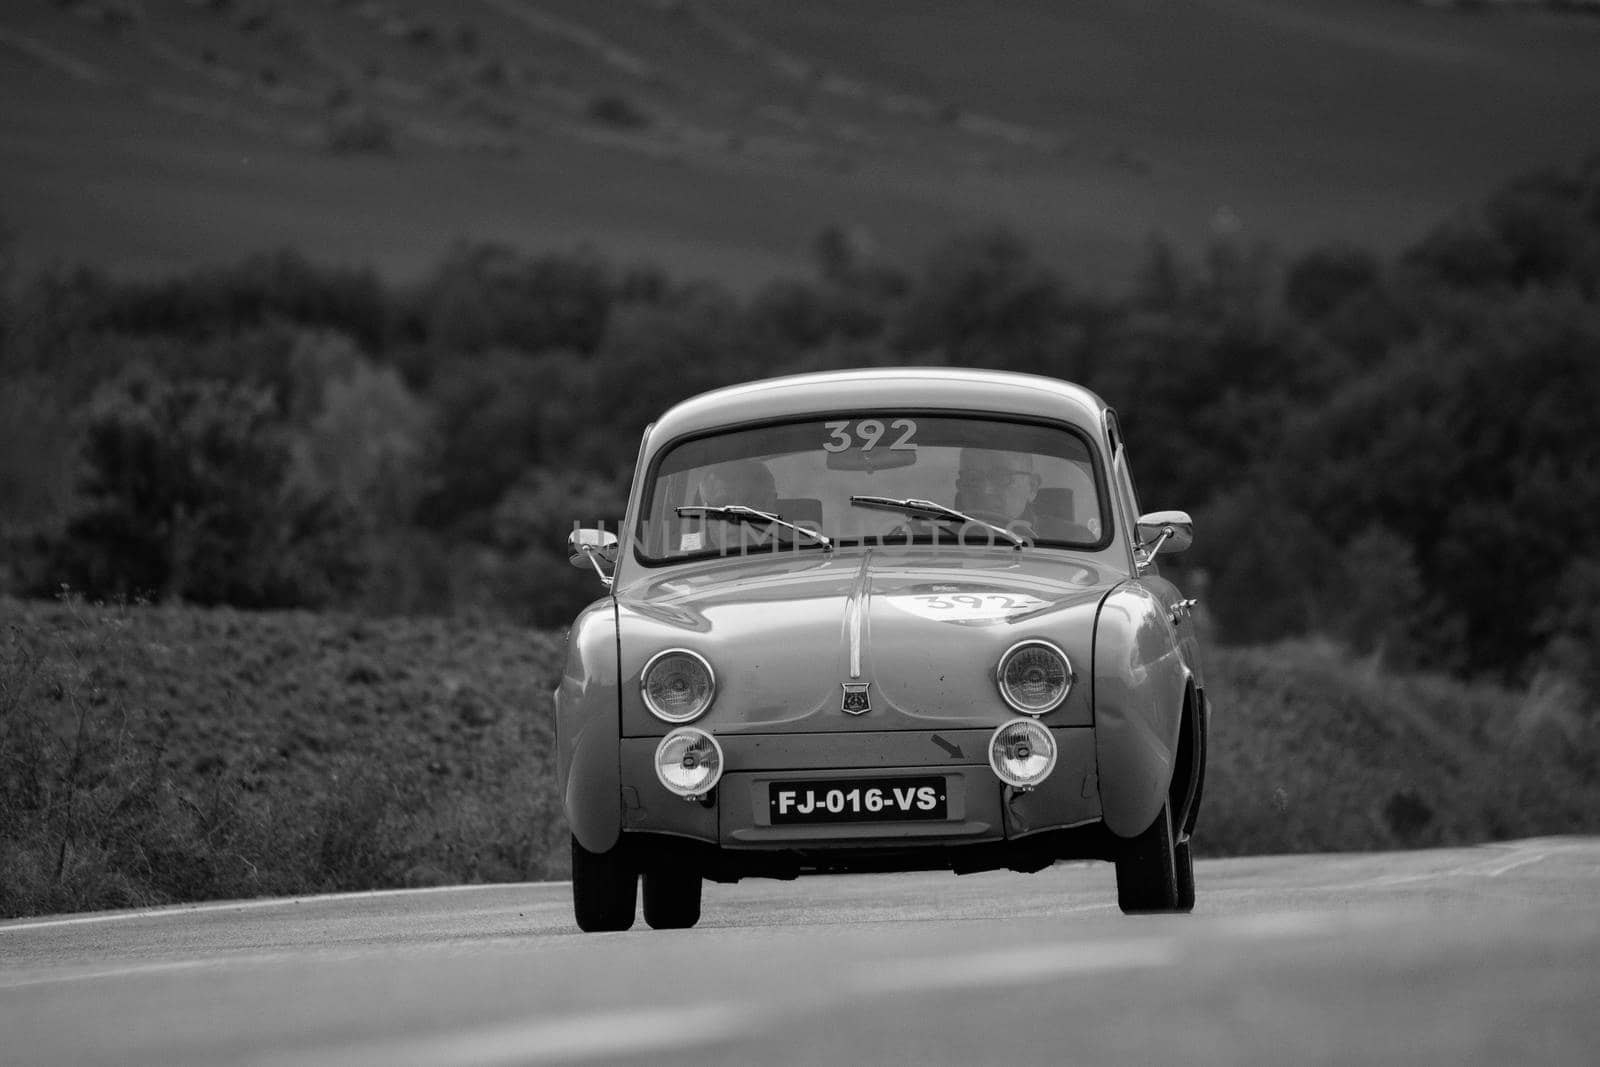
(980, 808)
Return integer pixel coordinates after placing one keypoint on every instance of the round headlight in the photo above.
(678, 685)
(1034, 677)
(689, 762)
(1022, 753)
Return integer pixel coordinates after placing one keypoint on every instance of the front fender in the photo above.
(1139, 684)
(588, 722)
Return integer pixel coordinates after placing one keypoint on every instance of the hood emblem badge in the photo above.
(856, 701)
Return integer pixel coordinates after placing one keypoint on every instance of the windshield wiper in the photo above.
(741, 513)
(929, 509)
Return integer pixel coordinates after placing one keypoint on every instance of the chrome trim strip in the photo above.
(858, 609)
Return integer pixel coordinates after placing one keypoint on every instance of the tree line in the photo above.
(1397, 452)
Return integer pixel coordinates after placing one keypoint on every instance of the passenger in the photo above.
(997, 487)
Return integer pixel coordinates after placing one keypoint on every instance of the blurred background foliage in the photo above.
(1396, 454)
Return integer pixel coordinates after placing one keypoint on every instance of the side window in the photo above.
(1122, 478)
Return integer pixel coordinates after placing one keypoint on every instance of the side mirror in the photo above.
(1165, 531)
(586, 548)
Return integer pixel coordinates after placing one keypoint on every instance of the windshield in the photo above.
(1035, 481)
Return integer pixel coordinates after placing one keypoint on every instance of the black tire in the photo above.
(671, 899)
(1183, 864)
(605, 889)
(1147, 876)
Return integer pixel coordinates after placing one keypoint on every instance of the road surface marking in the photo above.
(252, 905)
(1512, 864)
(1018, 965)
(593, 1035)
(1275, 924)
(170, 967)
(1514, 855)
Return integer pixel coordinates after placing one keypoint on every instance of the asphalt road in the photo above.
(1486, 955)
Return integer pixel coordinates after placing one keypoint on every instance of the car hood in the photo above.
(924, 630)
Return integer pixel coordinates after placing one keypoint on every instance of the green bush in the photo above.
(615, 109)
(490, 296)
(282, 286)
(360, 131)
(1541, 229)
(1473, 447)
(1327, 279)
(37, 437)
(365, 445)
(986, 301)
(184, 496)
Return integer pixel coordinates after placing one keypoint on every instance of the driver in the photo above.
(997, 487)
(741, 481)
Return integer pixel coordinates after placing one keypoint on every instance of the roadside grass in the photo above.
(1313, 749)
(159, 754)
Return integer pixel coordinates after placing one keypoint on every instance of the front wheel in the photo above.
(671, 899)
(1147, 875)
(605, 888)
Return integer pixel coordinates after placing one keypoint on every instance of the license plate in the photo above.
(858, 800)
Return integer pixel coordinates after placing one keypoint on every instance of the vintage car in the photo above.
(879, 620)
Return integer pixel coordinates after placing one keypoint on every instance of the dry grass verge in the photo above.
(155, 754)
(1314, 750)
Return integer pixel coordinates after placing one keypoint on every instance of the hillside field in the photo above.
(161, 754)
(718, 137)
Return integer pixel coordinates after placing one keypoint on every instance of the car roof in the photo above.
(882, 389)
